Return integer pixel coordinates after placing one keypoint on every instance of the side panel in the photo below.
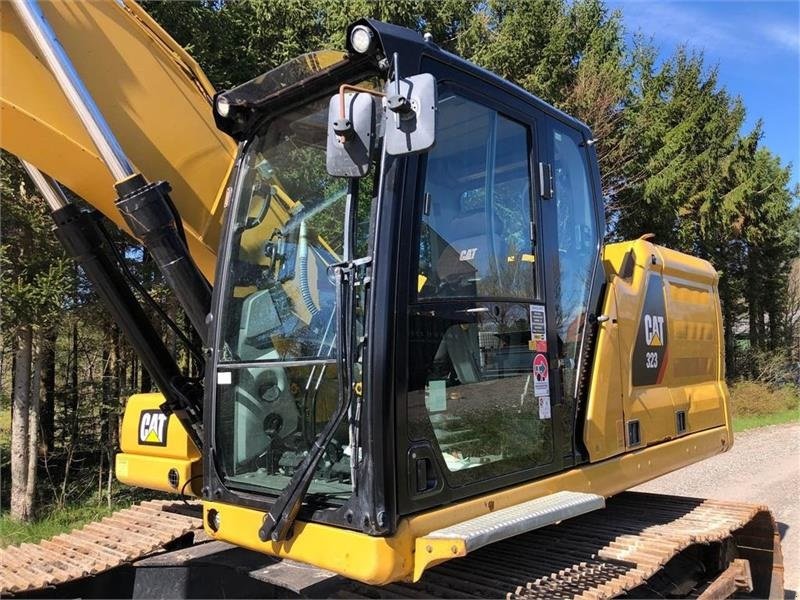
(156, 451)
(670, 347)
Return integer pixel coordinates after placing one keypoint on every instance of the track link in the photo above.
(602, 554)
(623, 548)
(120, 538)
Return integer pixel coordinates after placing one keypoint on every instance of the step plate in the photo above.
(520, 518)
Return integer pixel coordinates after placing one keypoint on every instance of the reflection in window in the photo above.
(470, 382)
(475, 236)
(470, 390)
(577, 250)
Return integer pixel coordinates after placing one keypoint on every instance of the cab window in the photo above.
(475, 235)
(470, 390)
(578, 245)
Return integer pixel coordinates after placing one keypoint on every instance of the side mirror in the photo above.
(410, 115)
(351, 139)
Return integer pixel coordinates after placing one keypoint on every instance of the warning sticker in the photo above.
(541, 376)
(544, 407)
(538, 324)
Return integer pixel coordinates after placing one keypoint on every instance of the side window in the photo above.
(475, 234)
(470, 378)
(578, 240)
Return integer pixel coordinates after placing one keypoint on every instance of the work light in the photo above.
(361, 39)
(223, 106)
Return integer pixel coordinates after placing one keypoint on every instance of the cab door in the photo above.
(475, 330)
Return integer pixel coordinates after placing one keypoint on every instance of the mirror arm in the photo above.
(343, 127)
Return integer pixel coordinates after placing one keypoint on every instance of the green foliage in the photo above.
(757, 404)
(34, 273)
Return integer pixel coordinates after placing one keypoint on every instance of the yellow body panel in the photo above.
(693, 373)
(153, 95)
(604, 433)
(153, 445)
(378, 560)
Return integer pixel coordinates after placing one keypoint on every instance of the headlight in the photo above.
(361, 39)
(223, 106)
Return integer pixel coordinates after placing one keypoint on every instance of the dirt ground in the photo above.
(762, 467)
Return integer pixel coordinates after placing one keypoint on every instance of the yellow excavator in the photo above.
(425, 374)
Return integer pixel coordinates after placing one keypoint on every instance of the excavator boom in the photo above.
(154, 96)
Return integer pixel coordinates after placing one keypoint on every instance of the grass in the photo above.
(756, 404)
(778, 418)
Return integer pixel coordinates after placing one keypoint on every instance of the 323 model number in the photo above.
(651, 360)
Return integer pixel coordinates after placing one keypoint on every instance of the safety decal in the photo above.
(544, 407)
(650, 351)
(538, 323)
(541, 376)
(153, 428)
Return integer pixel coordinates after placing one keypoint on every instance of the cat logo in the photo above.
(653, 330)
(468, 254)
(153, 428)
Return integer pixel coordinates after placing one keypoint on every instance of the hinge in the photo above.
(533, 233)
(546, 180)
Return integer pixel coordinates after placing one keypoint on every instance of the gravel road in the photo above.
(762, 467)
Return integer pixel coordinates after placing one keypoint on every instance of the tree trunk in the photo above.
(20, 505)
(105, 408)
(118, 373)
(147, 382)
(48, 409)
(33, 419)
(73, 395)
(134, 379)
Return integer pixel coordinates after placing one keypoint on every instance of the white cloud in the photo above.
(784, 35)
(743, 34)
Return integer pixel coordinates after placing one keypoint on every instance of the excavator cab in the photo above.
(410, 257)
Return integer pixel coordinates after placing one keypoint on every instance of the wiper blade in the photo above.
(278, 521)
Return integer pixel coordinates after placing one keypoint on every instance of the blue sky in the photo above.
(755, 44)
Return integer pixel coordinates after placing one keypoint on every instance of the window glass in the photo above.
(577, 249)
(471, 385)
(278, 309)
(471, 389)
(475, 232)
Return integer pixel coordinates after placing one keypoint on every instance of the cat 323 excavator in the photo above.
(425, 374)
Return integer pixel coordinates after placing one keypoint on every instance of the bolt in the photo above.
(428, 549)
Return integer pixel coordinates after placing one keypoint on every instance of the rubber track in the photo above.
(598, 555)
(122, 537)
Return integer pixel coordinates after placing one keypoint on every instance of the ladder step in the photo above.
(520, 518)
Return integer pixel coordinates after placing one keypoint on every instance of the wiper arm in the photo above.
(278, 521)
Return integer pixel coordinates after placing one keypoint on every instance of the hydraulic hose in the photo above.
(302, 267)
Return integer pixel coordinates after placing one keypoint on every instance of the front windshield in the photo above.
(277, 376)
